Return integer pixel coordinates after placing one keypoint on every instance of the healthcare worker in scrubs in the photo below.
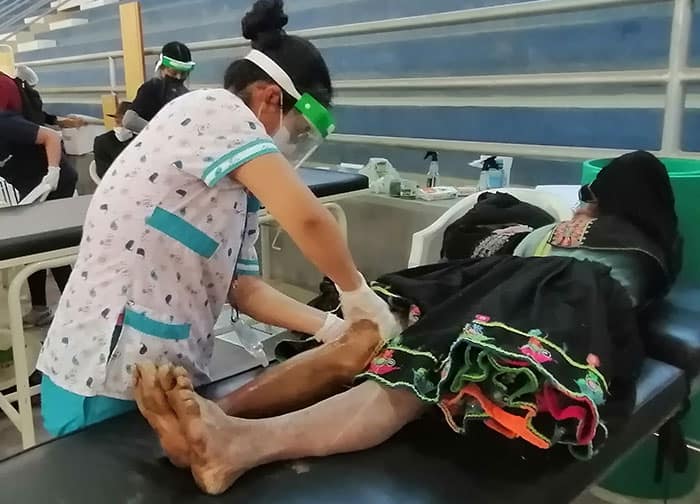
(169, 236)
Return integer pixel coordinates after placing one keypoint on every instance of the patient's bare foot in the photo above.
(214, 438)
(151, 385)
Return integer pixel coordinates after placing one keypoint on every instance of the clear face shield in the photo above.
(304, 128)
(183, 68)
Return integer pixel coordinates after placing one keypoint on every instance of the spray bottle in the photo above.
(486, 166)
(433, 169)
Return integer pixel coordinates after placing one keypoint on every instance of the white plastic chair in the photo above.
(426, 245)
(93, 173)
(39, 193)
(9, 196)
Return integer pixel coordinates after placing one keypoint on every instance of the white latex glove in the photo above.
(365, 304)
(51, 178)
(333, 328)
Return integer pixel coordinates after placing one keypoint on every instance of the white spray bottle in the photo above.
(433, 169)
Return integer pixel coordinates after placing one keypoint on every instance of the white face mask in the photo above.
(282, 138)
(123, 134)
(283, 142)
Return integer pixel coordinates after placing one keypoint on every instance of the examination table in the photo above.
(120, 461)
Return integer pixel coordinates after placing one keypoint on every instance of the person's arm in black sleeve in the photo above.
(50, 119)
(16, 129)
(143, 108)
(102, 157)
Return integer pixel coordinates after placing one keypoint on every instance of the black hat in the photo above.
(177, 56)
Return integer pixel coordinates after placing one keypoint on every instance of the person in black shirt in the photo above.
(173, 67)
(33, 105)
(109, 145)
(28, 153)
(26, 149)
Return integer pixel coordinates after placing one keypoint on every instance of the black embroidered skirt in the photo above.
(542, 349)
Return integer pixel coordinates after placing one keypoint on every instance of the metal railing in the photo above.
(675, 77)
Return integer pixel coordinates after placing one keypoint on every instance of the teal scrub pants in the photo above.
(65, 412)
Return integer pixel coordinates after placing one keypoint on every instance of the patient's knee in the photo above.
(360, 344)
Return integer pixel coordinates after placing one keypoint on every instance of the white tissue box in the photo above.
(436, 193)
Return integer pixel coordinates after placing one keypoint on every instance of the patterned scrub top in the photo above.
(165, 232)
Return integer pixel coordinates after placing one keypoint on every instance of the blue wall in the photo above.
(606, 39)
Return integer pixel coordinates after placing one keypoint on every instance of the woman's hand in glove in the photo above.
(52, 176)
(333, 328)
(364, 304)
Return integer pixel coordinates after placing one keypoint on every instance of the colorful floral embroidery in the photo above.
(571, 234)
(414, 314)
(475, 332)
(384, 363)
(590, 387)
(422, 382)
(445, 369)
(593, 360)
(482, 318)
(536, 351)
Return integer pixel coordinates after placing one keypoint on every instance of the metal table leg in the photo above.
(22, 417)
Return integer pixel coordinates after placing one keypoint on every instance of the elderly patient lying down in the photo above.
(541, 348)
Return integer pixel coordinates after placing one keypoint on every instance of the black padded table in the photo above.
(52, 225)
(324, 183)
(57, 224)
(120, 461)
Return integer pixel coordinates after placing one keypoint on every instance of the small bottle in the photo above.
(484, 176)
(496, 175)
(433, 169)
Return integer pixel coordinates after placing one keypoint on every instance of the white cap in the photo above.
(27, 74)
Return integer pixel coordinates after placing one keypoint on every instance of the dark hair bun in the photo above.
(264, 24)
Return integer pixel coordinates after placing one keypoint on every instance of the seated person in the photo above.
(542, 348)
(173, 68)
(33, 155)
(33, 105)
(108, 146)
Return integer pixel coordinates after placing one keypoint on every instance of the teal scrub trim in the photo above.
(253, 204)
(65, 412)
(236, 158)
(248, 267)
(141, 322)
(179, 229)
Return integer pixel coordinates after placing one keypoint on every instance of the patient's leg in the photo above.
(308, 377)
(223, 447)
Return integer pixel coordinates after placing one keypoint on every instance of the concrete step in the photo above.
(45, 20)
(96, 3)
(35, 19)
(67, 23)
(24, 36)
(71, 5)
(35, 45)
